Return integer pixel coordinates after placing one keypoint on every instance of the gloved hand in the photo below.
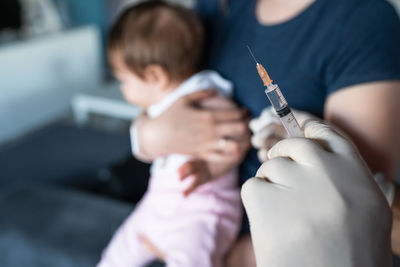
(268, 130)
(314, 203)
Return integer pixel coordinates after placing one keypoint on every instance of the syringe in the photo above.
(278, 102)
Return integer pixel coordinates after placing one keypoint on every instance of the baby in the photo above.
(155, 50)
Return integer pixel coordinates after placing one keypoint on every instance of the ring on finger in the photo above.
(222, 143)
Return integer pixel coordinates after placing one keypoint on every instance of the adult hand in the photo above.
(218, 135)
(314, 203)
(268, 130)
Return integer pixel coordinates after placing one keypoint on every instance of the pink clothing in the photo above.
(191, 231)
(194, 231)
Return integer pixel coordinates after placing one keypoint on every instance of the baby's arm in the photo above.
(135, 145)
(368, 114)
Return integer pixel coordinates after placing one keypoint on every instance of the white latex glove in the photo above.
(268, 130)
(310, 207)
(387, 187)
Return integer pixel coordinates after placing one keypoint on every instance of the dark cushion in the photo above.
(61, 154)
(49, 226)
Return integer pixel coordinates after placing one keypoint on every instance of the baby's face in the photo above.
(135, 89)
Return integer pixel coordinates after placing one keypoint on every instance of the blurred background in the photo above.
(65, 164)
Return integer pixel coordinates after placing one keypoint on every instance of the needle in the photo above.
(261, 71)
(251, 53)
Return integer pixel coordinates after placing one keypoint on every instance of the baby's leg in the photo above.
(125, 248)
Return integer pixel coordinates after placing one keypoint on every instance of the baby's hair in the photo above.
(156, 32)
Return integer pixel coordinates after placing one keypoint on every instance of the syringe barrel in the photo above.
(283, 111)
(275, 97)
(290, 123)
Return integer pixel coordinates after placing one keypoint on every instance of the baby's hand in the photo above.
(198, 170)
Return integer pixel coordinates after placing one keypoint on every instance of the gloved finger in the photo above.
(250, 193)
(329, 138)
(258, 139)
(273, 129)
(303, 117)
(277, 170)
(270, 142)
(301, 150)
(254, 187)
(262, 153)
(266, 117)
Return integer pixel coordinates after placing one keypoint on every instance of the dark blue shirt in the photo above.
(330, 45)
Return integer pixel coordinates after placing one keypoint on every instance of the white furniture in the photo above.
(107, 101)
(38, 78)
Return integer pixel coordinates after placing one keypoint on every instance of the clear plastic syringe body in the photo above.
(278, 102)
(283, 110)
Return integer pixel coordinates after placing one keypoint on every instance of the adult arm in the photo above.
(368, 113)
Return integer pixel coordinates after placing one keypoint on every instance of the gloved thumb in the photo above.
(266, 117)
(329, 138)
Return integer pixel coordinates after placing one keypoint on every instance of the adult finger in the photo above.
(226, 115)
(225, 146)
(228, 146)
(198, 96)
(233, 130)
